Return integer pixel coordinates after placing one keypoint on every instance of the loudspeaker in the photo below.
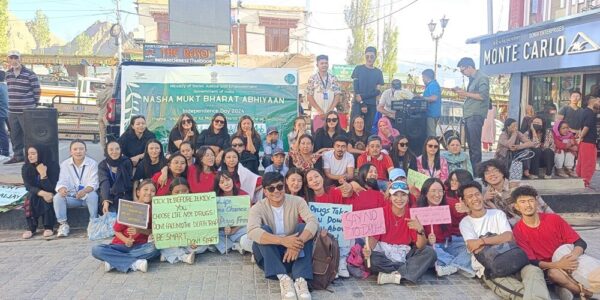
(415, 129)
(41, 129)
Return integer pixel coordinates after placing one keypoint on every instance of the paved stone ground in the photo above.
(64, 269)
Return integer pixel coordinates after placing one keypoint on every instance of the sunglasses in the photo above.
(219, 121)
(433, 146)
(186, 121)
(13, 57)
(332, 120)
(272, 189)
(402, 144)
(399, 185)
(237, 145)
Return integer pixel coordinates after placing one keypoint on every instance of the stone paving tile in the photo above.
(64, 269)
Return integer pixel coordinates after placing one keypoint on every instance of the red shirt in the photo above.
(382, 165)
(365, 200)
(161, 190)
(540, 243)
(456, 216)
(333, 196)
(204, 184)
(397, 231)
(137, 239)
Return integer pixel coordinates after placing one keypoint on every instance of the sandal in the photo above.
(48, 233)
(27, 235)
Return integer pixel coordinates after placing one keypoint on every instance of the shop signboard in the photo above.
(180, 54)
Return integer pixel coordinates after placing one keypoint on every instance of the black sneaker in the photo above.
(14, 160)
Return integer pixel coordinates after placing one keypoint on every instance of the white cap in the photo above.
(14, 53)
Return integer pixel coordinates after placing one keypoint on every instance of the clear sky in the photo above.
(416, 49)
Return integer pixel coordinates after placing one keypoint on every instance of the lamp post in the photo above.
(437, 37)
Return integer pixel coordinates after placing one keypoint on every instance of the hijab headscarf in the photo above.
(123, 174)
(385, 140)
(558, 136)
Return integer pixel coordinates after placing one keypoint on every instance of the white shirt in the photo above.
(337, 166)
(70, 174)
(494, 221)
(279, 224)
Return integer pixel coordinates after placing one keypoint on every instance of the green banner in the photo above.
(269, 96)
(183, 220)
(343, 72)
(233, 210)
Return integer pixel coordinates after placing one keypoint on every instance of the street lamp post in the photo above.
(437, 37)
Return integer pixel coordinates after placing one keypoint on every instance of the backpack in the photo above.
(326, 261)
(502, 260)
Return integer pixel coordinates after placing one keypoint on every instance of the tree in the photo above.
(40, 29)
(83, 44)
(357, 15)
(389, 53)
(3, 26)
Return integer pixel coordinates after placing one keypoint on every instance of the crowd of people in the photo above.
(365, 165)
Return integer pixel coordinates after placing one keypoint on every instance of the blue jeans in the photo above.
(270, 258)
(62, 203)
(473, 128)
(454, 254)
(4, 146)
(122, 257)
(230, 239)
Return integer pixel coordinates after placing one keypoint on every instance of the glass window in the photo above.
(552, 89)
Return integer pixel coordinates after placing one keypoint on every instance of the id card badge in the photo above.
(325, 96)
(80, 187)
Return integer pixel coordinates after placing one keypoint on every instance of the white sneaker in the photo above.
(301, 288)
(246, 243)
(563, 293)
(343, 269)
(2, 157)
(140, 265)
(63, 230)
(287, 288)
(252, 259)
(444, 270)
(393, 277)
(162, 258)
(237, 247)
(189, 259)
(107, 267)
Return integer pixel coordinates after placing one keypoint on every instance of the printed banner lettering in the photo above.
(360, 224)
(330, 218)
(233, 210)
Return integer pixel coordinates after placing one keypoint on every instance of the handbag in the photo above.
(102, 227)
(515, 168)
(501, 260)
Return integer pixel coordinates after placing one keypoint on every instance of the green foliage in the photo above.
(40, 29)
(83, 44)
(389, 53)
(357, 15)
(3, 26)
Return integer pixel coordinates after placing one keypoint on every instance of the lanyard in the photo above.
(79, 176)
(324, 83)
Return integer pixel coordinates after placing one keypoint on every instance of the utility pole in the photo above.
(237, 49)
(119, 41)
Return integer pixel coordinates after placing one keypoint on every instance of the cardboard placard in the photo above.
(432, 215)
(233, 210)
(360, 224)
(330, 218)
(133, 214)
(415, 178)
(182, 220)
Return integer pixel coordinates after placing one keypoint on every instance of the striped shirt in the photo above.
(23, 90)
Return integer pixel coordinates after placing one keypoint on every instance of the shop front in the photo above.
(546, 62)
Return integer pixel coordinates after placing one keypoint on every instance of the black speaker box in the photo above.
(415, 129)
(41, 130)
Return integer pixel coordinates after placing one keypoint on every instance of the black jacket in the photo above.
(119, 188)
(131, 145)
(209, 138)
(33, 185)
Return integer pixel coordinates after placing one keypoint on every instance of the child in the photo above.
(278, 166)
(565, 149)
(229, 237)
(271, 143)
(178, 186)
(129, 249)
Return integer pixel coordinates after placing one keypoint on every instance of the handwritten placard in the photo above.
(10, 194)
(415, 178)
(133, 214)
(360, 224)
(233, 210)
(182, 220)
(330, 218)
(432, 215)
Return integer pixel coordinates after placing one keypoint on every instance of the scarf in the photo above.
(122, 182)
(558, 136)
(387, 140)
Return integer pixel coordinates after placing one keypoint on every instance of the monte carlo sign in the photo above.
(567, 44)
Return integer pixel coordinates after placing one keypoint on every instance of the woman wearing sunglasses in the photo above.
(430, 163)
(451, 249)
(324, 136)
(403, 157)
(185, 130)
(251, 138)
(401, 252)
(216, 136)
(247, 159)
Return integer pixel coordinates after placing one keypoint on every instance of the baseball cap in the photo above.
(272, 129)
(14, 53)
(278, 151)
(398, 186)
(395, 173)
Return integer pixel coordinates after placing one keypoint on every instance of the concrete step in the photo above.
(555, 184)
(15, 219)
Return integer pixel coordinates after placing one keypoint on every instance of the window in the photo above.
(277, 39)
(234, 37)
